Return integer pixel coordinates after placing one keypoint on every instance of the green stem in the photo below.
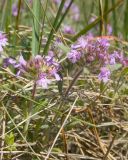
(29, 111)
(64, 15)
(114, 19)
(73, 81)
(18, 15)
(6, 16)
(44, 15)
(126, 21)
(102, 18)
(106, 17)
(36, 27)
(51, 35)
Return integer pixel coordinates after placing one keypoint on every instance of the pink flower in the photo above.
(74, 56)
(83, 42)
(3, 41)
(125, 62)
(55, 74)
(104, 74)
(43, 81)
(21, 65)
(8, 61)
(22, 61)
(112, 58)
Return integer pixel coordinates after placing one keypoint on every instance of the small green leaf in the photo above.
(9, 139)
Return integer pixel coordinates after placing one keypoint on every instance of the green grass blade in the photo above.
(126, 21)
(18, 15)
(64, 15)
(102, 18)
(31, 10)
(54, 26)
(106, 17)
(36, 27)
(43, 21)
(15, 38)
(6, 16)
(114, 19)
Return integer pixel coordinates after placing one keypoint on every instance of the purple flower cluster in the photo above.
(41, 69)
(77, 49)
(3, 41)
(97, 49)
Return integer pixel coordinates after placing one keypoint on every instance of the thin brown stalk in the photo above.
(65, 143)
(102, 17)
(102, 146)
(109, 148)
(73, 81)
(29, 110)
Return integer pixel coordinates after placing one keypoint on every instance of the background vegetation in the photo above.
(78, 117)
